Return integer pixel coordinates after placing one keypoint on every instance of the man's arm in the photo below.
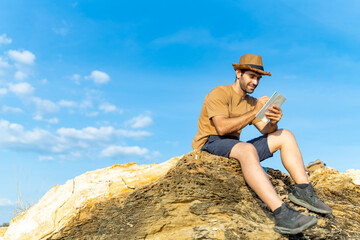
(274, 115)
(226, 125)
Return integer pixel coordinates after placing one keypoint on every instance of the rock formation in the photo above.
(62, 204)
(2, 230)
(354, 174)
(200, 196)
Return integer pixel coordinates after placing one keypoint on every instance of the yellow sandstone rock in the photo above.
(354, 174)
(2, 231)
(61, 204)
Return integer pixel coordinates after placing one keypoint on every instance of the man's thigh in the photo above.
(222, 145)
(219, 145)
(262, 147)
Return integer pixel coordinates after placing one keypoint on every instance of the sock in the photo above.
(278, 210)
(302, 186)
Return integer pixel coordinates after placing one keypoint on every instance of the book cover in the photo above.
(276, 99)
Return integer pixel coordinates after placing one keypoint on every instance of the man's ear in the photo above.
(237, 71)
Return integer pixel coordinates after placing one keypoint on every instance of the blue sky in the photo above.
(87, 84)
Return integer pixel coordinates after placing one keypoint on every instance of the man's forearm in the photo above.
(269, 128)
(227, 125)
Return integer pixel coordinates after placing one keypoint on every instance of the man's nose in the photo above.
(255, 81)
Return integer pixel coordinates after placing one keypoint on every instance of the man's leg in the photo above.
(303, 194)
(291, 158)
(287, 220)
(255, 175)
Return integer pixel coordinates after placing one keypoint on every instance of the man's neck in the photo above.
(237, 89)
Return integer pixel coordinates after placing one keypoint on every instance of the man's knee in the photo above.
(244, 151)
(279, 138)
(283, 133)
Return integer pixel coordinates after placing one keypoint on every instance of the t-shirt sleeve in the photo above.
(216, 103)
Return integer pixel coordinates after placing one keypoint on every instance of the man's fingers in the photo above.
(273, 116)
(276, 107)
(264, 98)
(275, 110)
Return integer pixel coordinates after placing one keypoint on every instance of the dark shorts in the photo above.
(222, 145)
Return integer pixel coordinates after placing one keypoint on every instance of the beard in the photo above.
(248, 88)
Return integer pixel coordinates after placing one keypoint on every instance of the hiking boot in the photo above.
(290, 221)
(305, 195)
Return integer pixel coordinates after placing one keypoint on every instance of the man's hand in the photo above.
(274, 114)
(261, 101)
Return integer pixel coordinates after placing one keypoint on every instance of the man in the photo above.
(226, 111)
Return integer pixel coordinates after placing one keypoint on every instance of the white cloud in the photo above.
(15, 137)
(51, 120)
(71, 155)
(99, 77)
(46, 158)
(76, 78)
(3, 63)
(61, 31)
(117, 151)
(99, 134)
(140, 121)
(44, 106)
(102, 134)
(64, 141)
(88, 133)
(3, 91)
(4, 39)
(7, 109)
(92, 114)
(108, 107)
(86, 104)
(38, 117)
(21, 89)
(152, 155)
(134, 134)
(19, 75)
(24, 57)
(66, 103)
(6, 202)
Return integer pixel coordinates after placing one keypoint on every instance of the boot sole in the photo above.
(284, 230)
(307, 205)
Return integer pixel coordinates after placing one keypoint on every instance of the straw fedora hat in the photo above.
(251, 62)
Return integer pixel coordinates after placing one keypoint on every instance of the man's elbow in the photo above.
(221, 131)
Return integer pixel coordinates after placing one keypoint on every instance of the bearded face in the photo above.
(249, 80)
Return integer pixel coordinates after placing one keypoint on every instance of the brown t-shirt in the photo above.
(221, 101)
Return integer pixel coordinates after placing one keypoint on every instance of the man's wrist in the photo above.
(254, 112)
(274, 126)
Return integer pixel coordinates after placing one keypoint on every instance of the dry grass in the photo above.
(20, 205)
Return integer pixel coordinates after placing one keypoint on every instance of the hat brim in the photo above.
(243, 66)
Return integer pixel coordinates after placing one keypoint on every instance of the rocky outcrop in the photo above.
(201, 197)
(354, 174)
(62, 204)
(2, 231)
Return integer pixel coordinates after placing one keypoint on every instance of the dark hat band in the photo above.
(256, 66)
